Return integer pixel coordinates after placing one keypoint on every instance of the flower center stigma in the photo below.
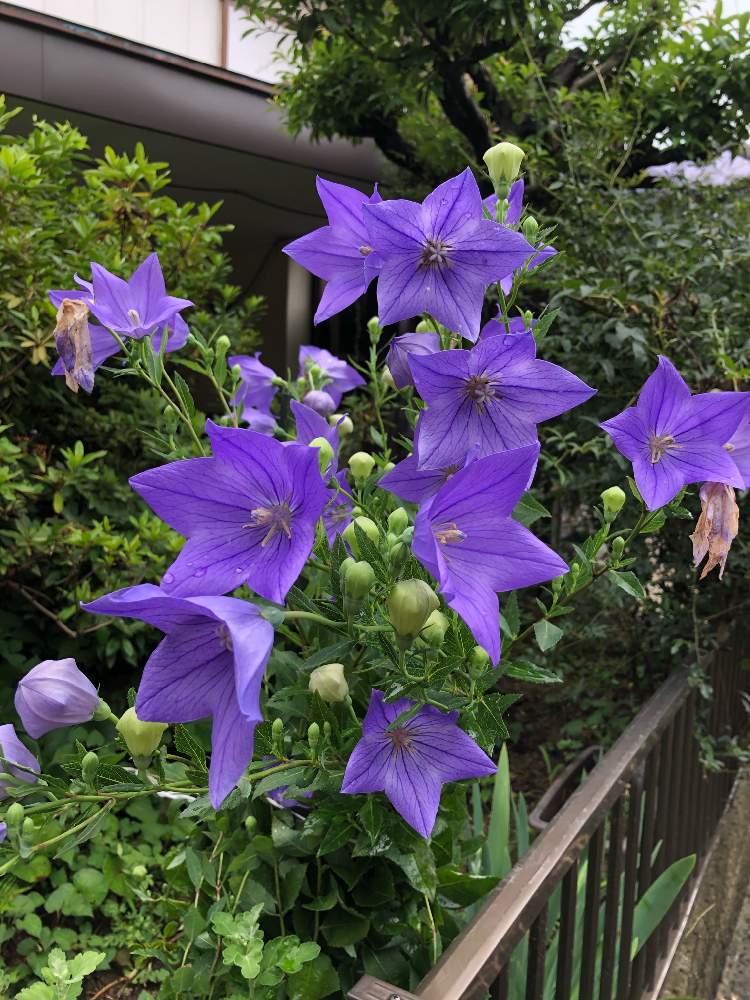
(435, 253)
(276, 518)
(450, 535)
(659, 445)
(480, 390)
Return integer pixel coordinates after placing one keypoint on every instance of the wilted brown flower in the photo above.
(717, 527)
(73, 341)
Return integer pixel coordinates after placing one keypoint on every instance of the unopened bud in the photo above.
(410, 604)
(479, 660)
(364, 524)
(530, 229)
(503, 162)
(434, 629)
(223, 343)
(139, 872)
(557, 584)
(14, 817)
(346, 565)
(236, 371)
(250, 824)
(28, 831)
(361, 464)
(388, 467)
(277, 736)
(386, 377)
(613, 500)
(327, 731)
(141, 738)
(397, 554)
(618, 546)
(342, 423)
(398, 520)
(325, 453)
(90, 767)
(102, 713)
(374, 329)
(314, 370)
(329, 682)
(424, 326)
(359, 578)
(313, 737)
(277, 727)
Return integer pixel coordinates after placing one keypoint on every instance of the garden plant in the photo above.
(333, 610)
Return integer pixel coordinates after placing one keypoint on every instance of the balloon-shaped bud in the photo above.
(361, 464)
(613, 500)
(374, 329)
(320, 401)
(236, 371)
(329, 682)
(398, 521)
(618, 547)
(342, 423)
(360, 577)
(503, 162)
(250, 824)
(434, 629)
(141, 738)
(364, 524)
(139, 872)
(222, 345)
(410, 604)
(530, 229)
(386, 377)
(90, 767)
(325, 453)
(14, 817)
(313, 737)
(479, 660)
(424, 326)
(53, 694)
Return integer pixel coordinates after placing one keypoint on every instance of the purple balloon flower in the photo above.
(249, 513)
(440, 256)
(256, 388)
(310, 425)
(320, 401)
(339, 376)
(54, 693)
(468, 540)
(413, 760)
(210, 663)
(3, 832)
(260, 421)
(339, 253)
(406, 346)
(674, 438)
(12, 749)
(515, 204)
(338, 513)
(137, 307)
(492, 396)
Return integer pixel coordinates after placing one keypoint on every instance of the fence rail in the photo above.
(560, 926)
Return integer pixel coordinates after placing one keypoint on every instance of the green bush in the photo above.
(67, 526)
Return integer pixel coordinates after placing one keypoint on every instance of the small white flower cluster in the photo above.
(724, 170)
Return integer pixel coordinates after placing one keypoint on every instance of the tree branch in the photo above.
(460, 108)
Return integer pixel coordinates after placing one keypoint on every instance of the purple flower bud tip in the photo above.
(54, 693)
(13, 750)
(320, 401)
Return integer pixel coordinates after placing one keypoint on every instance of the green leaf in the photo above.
(91, 884)
(628, 582)
(342, 928)
(66, 899)
(37, 991)
(185, 743)
(654, 904)
(498, 833)
(528, 510)
(291, 776)
(547, 635)
(84, 964)
(523, 670)
(509, 618)
(462, 888)
(371, 818)
(316, 980)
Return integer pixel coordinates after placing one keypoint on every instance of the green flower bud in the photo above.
(314, 371)
(28, 831)
(325, 453)
(398, 520)
(557, 584)
(361, 464)
(407, 534)
(374, 329)
(387, 378)
(528, 318)
(344, 424)
(479, 660)
(346, 565)
(141, 738)
(434, 629)
(14, 817)
(313, 737)
(360, 577)
(503, 162)
(327, 731)
(236, 371)
(388, 466)
(329, 682)
(356, 511)
(410, 604)
(613, 500)
(530, 229)
(277, 727)
(139, 872)
(364, 524)
(90, 767)
(397, 554)
(277, 736)
(102, 712)
(618, 546)
(424, 326)
(223, 343)
(250, 824)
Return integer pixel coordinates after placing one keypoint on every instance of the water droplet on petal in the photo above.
(199, 572)
(239, 570)
(168, 578)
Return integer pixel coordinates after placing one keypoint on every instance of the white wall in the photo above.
(190, 28)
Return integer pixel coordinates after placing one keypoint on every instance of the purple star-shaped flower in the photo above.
(338, 376)
(210, 663)
(249, 513)
(138, 307)
(674, 438)
(339, 253)
(440, 256)
(409, 344)
(408, 482)
(412, 761)
(468, 540)
(12, 749)
(256, 388)
(515, 204)
(492, 396)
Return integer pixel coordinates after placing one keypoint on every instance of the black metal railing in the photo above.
(560, 926)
